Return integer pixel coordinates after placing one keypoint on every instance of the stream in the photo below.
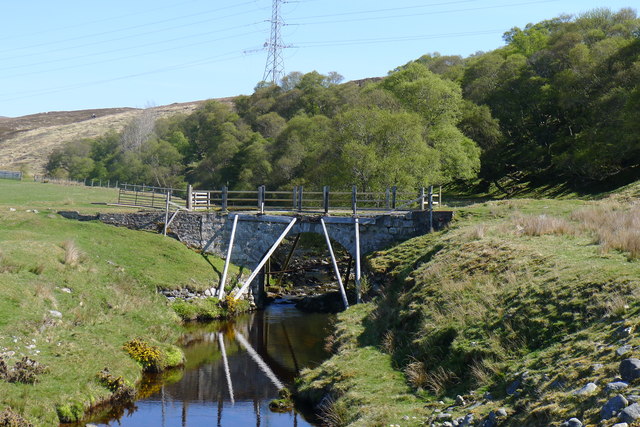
(262, 349)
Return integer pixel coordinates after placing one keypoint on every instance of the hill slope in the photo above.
(27, 141)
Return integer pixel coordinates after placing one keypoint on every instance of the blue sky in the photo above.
(71, 55)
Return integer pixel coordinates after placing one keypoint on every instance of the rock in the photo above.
(620, 425)
(513, 387)
(629, 369)
(573, 422)
(621, 351)
(589, 388)
(613, 406)
(597, 366)
(55, 313)
(488, 396)
(616, 386)
(630, 414)
(490, 421)
(12, 209)
(447, 424)
(207, 292)
(467, 421)
(460, 401)
(66, 290)
(445, 416)
(502, 413)
(633, 398)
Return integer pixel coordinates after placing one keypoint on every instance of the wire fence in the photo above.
(11, 175)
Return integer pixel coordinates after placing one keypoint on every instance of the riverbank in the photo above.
(519, 314)
(73, 293)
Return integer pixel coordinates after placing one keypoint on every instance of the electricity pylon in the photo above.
(274, 69)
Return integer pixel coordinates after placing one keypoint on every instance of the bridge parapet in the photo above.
(255, 234)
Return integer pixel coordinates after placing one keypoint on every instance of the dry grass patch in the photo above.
(614, 226)
(72, 254)
(539, 225)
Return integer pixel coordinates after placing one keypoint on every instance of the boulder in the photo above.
(630, 414)
(613, 406)
(629, 369)
(589, 388)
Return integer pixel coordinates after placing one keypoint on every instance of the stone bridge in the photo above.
(210, 232)
(258, 234)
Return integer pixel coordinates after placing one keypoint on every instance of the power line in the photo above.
(210, 60)
(160, 42)
(133, 27)
(439, 12)
(334, 43)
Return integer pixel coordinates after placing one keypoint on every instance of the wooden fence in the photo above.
(299, 200)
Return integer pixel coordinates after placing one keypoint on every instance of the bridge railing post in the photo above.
(394, 192)
(294, 197)
(225, 198)
(190, 197)
(325, 199)
(421, 195)
(387, 198)
(354, 199)
(260, 200)
(300, 191)
(430, 200)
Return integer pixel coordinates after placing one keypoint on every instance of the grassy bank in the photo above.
(518, 305)
(73, 293)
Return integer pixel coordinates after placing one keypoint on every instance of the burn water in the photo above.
(262, 349)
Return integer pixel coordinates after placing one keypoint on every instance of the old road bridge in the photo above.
(246, 227)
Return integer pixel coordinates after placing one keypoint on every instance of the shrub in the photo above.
(70, 413)
(24, 371)
(148, 356)
(121, 391)
(9, 418)
(172, 356)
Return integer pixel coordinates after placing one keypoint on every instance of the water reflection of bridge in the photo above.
(278, 341)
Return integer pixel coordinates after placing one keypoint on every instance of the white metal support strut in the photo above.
(335, 265)
(255, 272)
(227, 260)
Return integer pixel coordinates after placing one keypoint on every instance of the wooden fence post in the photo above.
(387, 198)
(421, 196)
(394, 192)
(294, 197)
(225, 198)
(354, 199)
(300, 191)
(189, 197)
(325, 199)
(430, 208)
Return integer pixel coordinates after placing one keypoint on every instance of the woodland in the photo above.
(558, 104)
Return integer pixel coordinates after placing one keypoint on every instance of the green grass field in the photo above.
(74, 292)
(524, 285)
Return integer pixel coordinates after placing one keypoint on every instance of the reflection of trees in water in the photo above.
(286, 340)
